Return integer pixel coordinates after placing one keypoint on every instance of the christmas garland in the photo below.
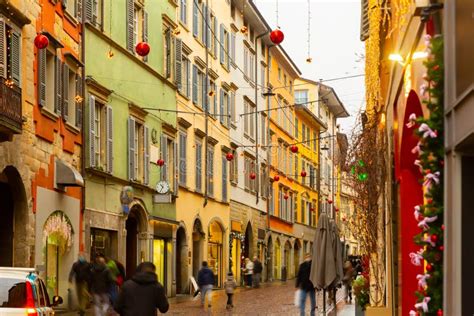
(429, 216)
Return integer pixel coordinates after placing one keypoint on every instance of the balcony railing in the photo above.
(11, 119)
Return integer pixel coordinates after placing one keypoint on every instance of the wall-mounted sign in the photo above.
(126, 197)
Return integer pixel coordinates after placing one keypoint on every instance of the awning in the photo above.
(67, 176)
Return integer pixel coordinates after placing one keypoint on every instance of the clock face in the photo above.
(162, 187)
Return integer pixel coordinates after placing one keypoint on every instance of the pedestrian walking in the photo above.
(248, 272)
(347, 280)
(81, 274)
(306, 286)
(257, 272)
(230, 286)
(115, 272)
(206, 283)
(101, 281)
(142, 294)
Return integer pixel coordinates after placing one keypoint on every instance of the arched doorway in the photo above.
(181, 262)
(215, 251)
(277, 267)
(297, 256)
(198, 242)
(135, 224)
(13, 220)
(248, 251)
(269, 258)
(287, 258)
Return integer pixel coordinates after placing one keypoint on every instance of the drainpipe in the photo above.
(206, 113)
(269, 149)
(83, 130)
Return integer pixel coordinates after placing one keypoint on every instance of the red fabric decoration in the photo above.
(229, 156)
(142, 49)
(160, 162)
(41, 41)
(277, 36)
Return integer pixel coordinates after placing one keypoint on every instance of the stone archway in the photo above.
(215, 251)
(287, 259)
(297, 251)
(248, 242)
(136, 224)
(269, 263)
(13, 220)
(181, 261)
(198, 245)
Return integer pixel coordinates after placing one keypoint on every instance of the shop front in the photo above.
(163, 253)
(215, 252)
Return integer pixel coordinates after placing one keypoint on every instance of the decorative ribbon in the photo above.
(417, 213)
(417, 257)
(411, 120)
(430, 178)
(424, 222)
(422, 280)
(413, 313)
(423, 89)
(427, 131)
(418, 163)
(417, 149)
(423, 304)
(427, 239)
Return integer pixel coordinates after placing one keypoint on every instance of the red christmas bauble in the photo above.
(276, 178)
(442, 227)
(160, 162)
(303, 173)
(252, 175)
(286, 196)
(277, 36)
(329, 201)
(41, 41)
(336, 209)
(439, 312)
(294, 149)
(435, 67)
(441, 248)
(142, 49)
(229, 156)
(434, 238)
(429, 267)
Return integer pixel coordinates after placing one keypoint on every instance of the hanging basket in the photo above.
(58, 230)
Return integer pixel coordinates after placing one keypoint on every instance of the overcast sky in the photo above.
(335, 44)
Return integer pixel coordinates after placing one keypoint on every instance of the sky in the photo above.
(335, 46)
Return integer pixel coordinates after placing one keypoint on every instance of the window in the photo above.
(301, 96)
(139, 151)
(271, 201)
(264, 181)
(233, 114)
(262, 76)
(198, 166)
(167, 46)
(279, 74)
(314, 141)
(100, 135)
(182, 157)
(199, 93)
(212, 38)
(183, 16)
(210, 171)
(184, 86)
(169, 153)
(249, 119)
(71, 7)
(264, 132)
(137, 25)
(249, 64)
(10, 67)
(234, 167)
(224, 107)
(296, 128)
(212, 97)
(232, 48)
(224, 178)
(250, 184)
(263, 47)
(225, 46)
(93, 11)
(296, 165)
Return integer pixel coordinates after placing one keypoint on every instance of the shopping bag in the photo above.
(297, 297)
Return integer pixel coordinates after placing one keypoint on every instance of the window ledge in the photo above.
(233, 125)
(233, 183)
(71, 18)
(184, 26)
(184, 96)
(49, 114)
(72, 128)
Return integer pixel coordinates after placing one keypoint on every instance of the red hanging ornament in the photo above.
(434, 238)
(229, 156)
(41, 41)
(311, 209)
(294, 149)
(286, 196)
(276, 178)
(160, 162)
(442, 227)
(435, 67)
(439, 312)
(441, 248)
(252, 175)
(277, 36)
(336, 209)
(429, 267)
(329, 201)
(303, 173)
(142, 49)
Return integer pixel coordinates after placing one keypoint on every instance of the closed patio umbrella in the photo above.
(338, 249)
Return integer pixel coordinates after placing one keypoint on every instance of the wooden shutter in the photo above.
(65, 94)
(232, 46)
(221, 106)
(130, 27)
(3, 49)
(227, 118)
(364, 20)
(198, 167)
(58, 83)
(224, 179)
(89, 9)
(178, 62)
(195, 85)
(205, 96)
(214, 36)
(168, 52)
(164, 156)
(42, 77)
(208, 28)
(227, 37)
(182, 158)
(146, 155)
(204, 25)
(176, 167)
(131, 149)
(110, 139)
(15, 57)
(92, 131)
(195, 19)
(145, 31)
(222, 43)
(79, 101)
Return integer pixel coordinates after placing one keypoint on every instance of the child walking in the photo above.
(229, 286)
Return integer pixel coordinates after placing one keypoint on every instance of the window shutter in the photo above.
(145, 31)
(92, 131)
(89, 10)
(168, 52)
(198, 167)
(164, 156)
(182, 158)
(58, 86)
(221, 107)
(364, 20)
(110, 139)
(208, 28)
(79, 104)
(178, 63)
(195, 85)
(15, 57)
(65, 86)
(130, 27)
(224, 179)
(227, 37)
(214, 36)
(131, 149)
(176, 167)
(204, 25)
(232, 46)
(222, 44)
(42, 77)
(227, 118)
(3, 50)
(195, 19)
(205, 96)
(215, 99)
(146, 155)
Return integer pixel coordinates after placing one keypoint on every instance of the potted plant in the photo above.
(361, 291)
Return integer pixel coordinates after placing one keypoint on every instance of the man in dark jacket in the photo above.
(305, 285)
(142, 294)
(257, 271)
(206, 282)
(101, 281)
(81, 272)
